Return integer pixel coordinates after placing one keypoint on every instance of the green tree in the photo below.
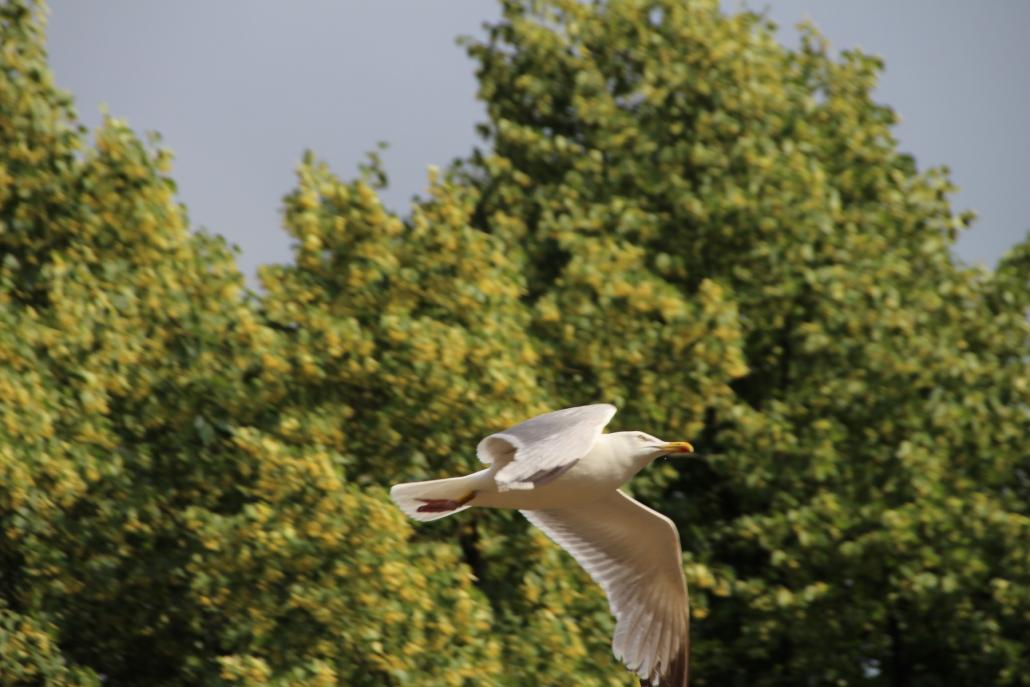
(673, 212)
(865, 519)
(418, 336)
(160, 520)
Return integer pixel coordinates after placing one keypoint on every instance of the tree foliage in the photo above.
(674, 213)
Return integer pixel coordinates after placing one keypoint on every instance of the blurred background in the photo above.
(240, 90)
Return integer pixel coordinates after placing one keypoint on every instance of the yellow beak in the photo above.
(678, 447)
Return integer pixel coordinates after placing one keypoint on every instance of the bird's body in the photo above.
(564, 475)
(602, 470)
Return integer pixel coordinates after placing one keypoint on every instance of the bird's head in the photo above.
(645, 448)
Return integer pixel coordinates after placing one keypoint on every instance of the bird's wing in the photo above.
(538, 450)
(634, 553)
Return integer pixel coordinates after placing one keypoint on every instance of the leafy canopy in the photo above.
(672, 212)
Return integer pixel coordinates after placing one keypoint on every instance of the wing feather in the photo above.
(540, 449)
(634, 553)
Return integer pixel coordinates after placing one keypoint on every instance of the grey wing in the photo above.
(634, 553)
(538, 450)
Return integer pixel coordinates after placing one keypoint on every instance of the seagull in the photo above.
(563, 474)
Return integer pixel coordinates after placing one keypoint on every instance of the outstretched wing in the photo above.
(634, 553)
(538, 450)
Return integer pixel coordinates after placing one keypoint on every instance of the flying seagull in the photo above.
(564, 474)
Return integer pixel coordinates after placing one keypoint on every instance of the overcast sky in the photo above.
(239, 89)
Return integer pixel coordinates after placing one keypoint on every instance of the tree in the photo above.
(160, 521)
(865, 520)
(672, 212)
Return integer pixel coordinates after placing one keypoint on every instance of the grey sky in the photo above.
(239, 89)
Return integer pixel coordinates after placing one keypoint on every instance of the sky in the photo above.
(238, 90)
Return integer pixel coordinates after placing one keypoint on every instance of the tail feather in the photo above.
(433, 499)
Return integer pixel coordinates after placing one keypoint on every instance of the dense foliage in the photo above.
(674, 213)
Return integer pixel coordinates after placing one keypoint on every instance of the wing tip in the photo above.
(676, 674)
